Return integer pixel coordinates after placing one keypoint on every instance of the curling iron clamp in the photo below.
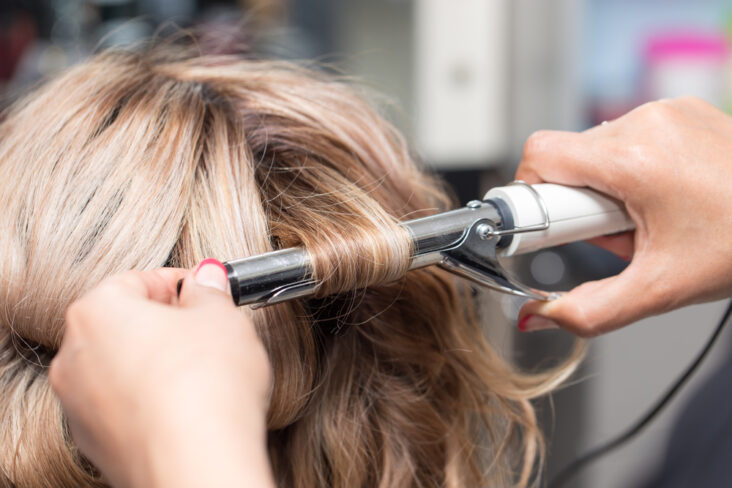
(510, 220)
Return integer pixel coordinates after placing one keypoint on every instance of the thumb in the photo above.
(592, 308)
(207, 285)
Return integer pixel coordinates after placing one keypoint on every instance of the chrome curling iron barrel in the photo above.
(510, 220)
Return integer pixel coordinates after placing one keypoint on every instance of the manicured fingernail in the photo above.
(531, 323)
(213, 274)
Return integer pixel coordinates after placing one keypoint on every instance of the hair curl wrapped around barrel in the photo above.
(135, 160)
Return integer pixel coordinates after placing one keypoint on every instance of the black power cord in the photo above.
(592, 455)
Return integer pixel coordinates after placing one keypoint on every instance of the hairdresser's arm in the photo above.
(159, 395)
(670, 162)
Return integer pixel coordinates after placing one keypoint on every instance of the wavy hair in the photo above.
(136, 160)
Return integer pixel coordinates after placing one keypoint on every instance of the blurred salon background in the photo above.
(468, 81)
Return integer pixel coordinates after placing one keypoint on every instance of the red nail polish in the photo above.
(522, 322)
(211, 261)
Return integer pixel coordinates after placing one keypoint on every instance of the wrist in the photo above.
(211, 462)
(209, 451)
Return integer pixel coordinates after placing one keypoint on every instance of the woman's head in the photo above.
(140, 160)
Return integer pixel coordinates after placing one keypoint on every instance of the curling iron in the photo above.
(510, 220)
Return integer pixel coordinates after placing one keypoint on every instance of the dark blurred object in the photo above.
(18, 31)
(700, 447)
(465, 184)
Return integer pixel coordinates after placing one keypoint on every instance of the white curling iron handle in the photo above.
(575, 214)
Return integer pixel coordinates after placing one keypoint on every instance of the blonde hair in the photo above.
(135, 160)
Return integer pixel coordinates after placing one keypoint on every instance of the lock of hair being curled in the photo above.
(139, 159)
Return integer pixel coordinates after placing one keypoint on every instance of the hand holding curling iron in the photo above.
(669, 162)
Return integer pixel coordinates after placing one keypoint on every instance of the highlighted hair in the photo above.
(139, 160)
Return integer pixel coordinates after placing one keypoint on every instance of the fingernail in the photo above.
(531, 323)
(213, 274)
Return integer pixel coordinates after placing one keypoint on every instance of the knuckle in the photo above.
(74, 314)
(55, 375)
(78, 314)
(659, 110)
(536, 144)
(666, 115)
(646, 108)
(691, 101)
(59, 376)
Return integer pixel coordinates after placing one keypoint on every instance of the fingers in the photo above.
(158, 285)
(118, 295)
(207, 285)
(569, 158)
(592, 308)
(622, 245)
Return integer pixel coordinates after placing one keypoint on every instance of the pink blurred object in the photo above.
(687, 64)
(712, 46)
